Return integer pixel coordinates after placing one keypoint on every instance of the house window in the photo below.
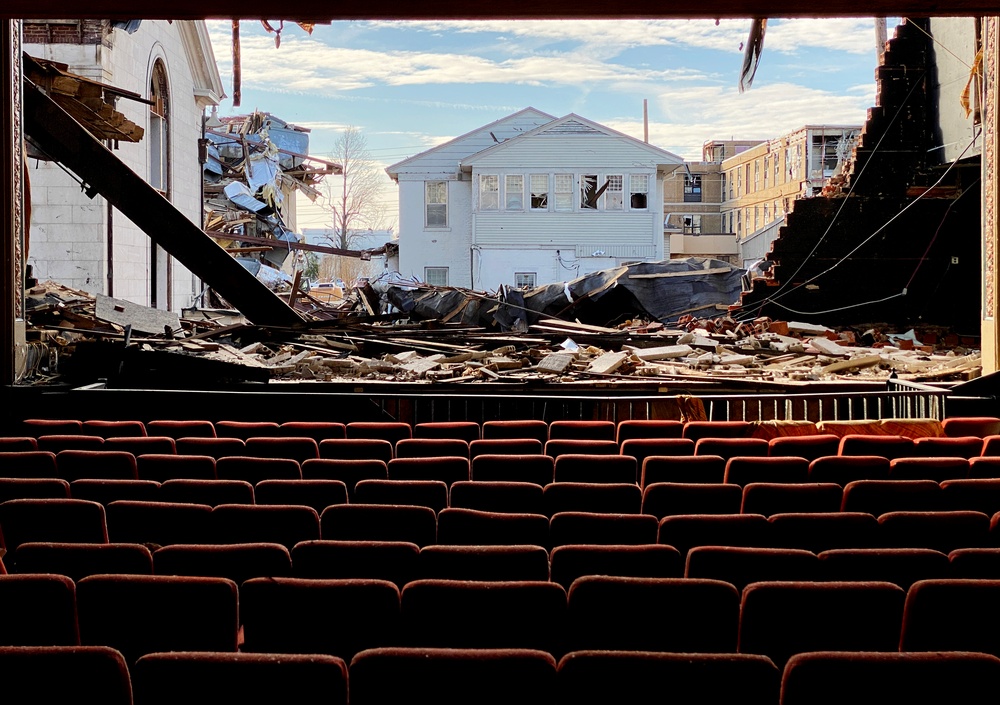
(436, 276)
(766, 214)
(756, 219)
(739, 182)
(489, 192)
(788, 164)
(525, 280)
(692, 224)
(748, 178)
(756, 175)
(514, 192)
(723, 175)
(614, 198)
(638, 191)
(692, 188)
(159, 130)
(777, 170)
(539, 184)
(739, 223)
(588, 191)
(564, 192)
(766, 165)
(436, 204)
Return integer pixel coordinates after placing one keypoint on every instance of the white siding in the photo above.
(593, 231)
(561, 151)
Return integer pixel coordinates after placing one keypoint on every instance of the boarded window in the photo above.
(539, 184)
(436, 204)
(436, 276)
(525, 280)
(614, 195)
(564, 192)
(514, 192)
(489, 192)
(638, 191)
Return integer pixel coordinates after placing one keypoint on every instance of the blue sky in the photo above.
(411, 85)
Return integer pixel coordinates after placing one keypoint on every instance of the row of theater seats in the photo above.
(980, 427)
(140, 614)
(660, 499)
(166, 523)
(303, 448)
(50, 675)
(71, 465)
(401, 562)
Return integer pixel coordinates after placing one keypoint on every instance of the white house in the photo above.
(530, 200)
(82, 242)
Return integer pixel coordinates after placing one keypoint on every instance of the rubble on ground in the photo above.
(105, 338)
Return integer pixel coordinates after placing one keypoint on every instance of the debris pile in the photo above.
(86, 338)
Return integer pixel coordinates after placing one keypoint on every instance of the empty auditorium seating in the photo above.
(210, 492)
(937, 469)
(107, 491)
(890, 447)
(56, 427)
(480, 614)
(731, 447)
(526, 428)
(318, 494)
(572, 467)
(582, 430)
(669, 498)
(653, 614)
(977, 495)
(902, 566)
(744, 470)
(379, 522)
(631, 676)
(432, 448)
(421, 493)
(95, 464)
(56, 443)
(502, 563)
(317, 430)
(505, 446)
(972, 563)
(160, 523)
(952, 615)
(604, 528)
(141, 614)
(395, 561)
(41, 610)
(215, 447)
(685, 531)
(181, 429)
(985, 468)
(29, 488)
(391, 431)
(696, 430)
(246, 429)
(487, 496)
(160, 467)
(449, 676)
(653, 429)
(356, 449)
(697, 468)
(18, 444)
(944, 446)
(296, 448)
(537, 469)
(561, 446)
(782, 618)
(881, 496)
(467, 431)
(616, 498)
(823, 531)
(66, 520)
(470, 527)
(254, 470)
(769, 498)
(642, 448)
(942, 531)
(285, 524)
(350, 472)
(49, 675)
(114, 429)
(980, 426)
(742, 566)
(200, 678)
(78, 560)
(875, 678)
(843, 469)
(446, 469)
(238, 562)
(141, 445)
(572, 561)
(808, 447)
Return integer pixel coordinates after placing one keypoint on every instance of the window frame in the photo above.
(519, 191)
(633, 193)
(532, 285)
(484, 180)
(611, 201)
(545, 194)
(436, 270)
(568, 194)
(692, 188)
(428, 203)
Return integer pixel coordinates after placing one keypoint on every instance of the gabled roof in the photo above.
(491, 127)
(573, 124)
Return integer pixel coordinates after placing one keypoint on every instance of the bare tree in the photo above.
(354, 197)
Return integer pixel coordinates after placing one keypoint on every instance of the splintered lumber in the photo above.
(852, 364)
(607, 363)
(663, 353)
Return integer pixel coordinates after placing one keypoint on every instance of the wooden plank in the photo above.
(555, 362)
(607, 363)
(665, 352)
(852, 364)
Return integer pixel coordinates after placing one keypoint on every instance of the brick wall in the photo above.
(66, 32)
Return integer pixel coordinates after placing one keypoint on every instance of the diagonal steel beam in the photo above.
(66, 141)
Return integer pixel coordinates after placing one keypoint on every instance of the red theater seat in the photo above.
(395, 561)
(572, 561)
(161, 468)
(65, 674)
